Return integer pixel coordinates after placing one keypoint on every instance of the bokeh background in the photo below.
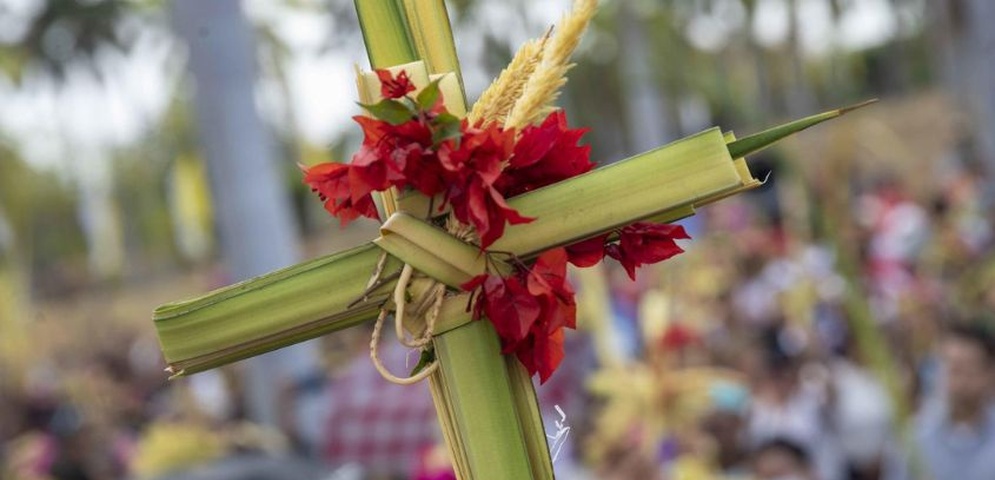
(149, 151)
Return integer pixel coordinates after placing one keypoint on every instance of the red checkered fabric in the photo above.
(385, 427)
(379, 425)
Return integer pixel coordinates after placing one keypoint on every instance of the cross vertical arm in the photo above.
(488, 412)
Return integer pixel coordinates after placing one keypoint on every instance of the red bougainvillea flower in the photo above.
(508, 305)
(376, 167)
(374, 131)
(332, 183)
(485, 208)
(421, 169)
(394, 87)
(382, 134)
(547, 281)
(415, 143)
(406, 151)
(480, 152)
(541, 352)
(645, 243)
(374, 170)
(529, 310)
(474, 164)
(545, 154)
(587, 253)
(416, 131)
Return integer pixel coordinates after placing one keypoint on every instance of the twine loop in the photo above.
(427, 305)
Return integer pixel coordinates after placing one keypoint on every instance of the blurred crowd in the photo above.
(866, 354)
(853, 344)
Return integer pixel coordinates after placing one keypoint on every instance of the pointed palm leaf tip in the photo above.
(759, 141)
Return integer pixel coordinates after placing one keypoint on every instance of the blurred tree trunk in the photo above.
(945, 25)
(100, 216)
(899, 53)
(800, 97)
(252, 208)
(964, 42)
(763, 100)
(979, 19)
(645, 106)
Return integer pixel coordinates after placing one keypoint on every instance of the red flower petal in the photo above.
(652, 242)
(587, 253)
(481, 152)
(536, 141)
(499, 212)
(483, 207)
(549, 354)
(394, 87)
(525, 352)
(547, 281)
(372, 170)
(362, 207)
(332, 183)
(413, 131)
(507, 304)
(422, 169)
(541, 353)
(374, 131)
(646, 243)
(558, 311)
(549, 274)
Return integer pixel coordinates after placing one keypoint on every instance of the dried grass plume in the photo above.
(543, 87)
(497, 101)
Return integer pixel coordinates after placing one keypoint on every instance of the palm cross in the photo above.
(485, 401)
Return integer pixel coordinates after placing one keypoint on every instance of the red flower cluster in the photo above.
(638, 244)
(545, 154)
(334, 187)
(529, 310)
(530, 307)
(415, 143)
(474, 164)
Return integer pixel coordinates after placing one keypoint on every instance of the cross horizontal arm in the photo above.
(271, 311)
(312, 299)
(681, 173)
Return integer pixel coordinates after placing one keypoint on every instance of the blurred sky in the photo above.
(73, 126)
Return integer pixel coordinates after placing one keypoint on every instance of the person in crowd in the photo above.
(791, 406)
(782, 459)
(955, 431)
(724, 424)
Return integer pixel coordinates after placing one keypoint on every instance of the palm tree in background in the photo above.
(253, 211)
(62, 40)
(964, 43)
(254, 220)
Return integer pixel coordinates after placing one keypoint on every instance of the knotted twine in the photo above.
(427, 305)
